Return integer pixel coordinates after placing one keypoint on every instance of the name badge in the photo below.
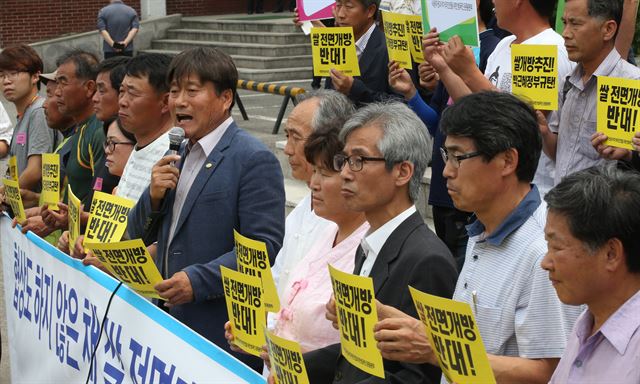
(21, 138)
(98, 185)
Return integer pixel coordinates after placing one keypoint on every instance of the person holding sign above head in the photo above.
(528, 21)
(371, 49)
(593, 231)
(223, 179)
(491, 152)
(386, 152)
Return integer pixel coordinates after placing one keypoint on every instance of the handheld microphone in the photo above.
(176, 136)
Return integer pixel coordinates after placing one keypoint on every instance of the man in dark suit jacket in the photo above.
(387, 150)
(372, 85)
(226, 180)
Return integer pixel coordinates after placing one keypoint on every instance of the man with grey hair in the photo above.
(590, 31)
(386, 152)
(320, 110)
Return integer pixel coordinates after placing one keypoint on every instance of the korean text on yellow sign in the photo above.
(131, 263)
(397, 38)
(51, 180)
(334, 48)
(253, 260)
(74, 217)
(12, 194)
(415, 31)
(357, 315)
(535, 74)
(245, 306)
(13, 168)
(617, 110)
(108, 220)
(287, 363)
(455, 338)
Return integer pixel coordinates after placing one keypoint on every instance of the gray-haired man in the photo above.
(386, 153)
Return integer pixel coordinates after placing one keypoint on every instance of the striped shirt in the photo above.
(517, 310)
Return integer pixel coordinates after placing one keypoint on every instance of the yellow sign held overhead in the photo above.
(131, 263)
(397, 38)
(13, 168)
(357, 315)
(12, 193)
(455, 338)
(253, 260)
(287, 364)
(416, 32)
(334, 48)
(108, 220)
(617, 110)
(75, 208)
(51, 180)
(245, 306)
(535, 74)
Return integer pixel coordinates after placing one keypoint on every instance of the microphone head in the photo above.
(176, 136)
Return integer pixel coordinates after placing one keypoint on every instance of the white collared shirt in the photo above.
(361, 44)
(373, 242)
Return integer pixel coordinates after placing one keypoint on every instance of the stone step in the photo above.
(246, 49)
(285, 26)
(253, 37)
(253, 62)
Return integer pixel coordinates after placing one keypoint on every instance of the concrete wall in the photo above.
(150, 29)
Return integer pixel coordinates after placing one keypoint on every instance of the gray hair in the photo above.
(404, 137)
(334, 109)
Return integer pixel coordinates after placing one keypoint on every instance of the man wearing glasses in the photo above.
(491, 153)
(386, 152)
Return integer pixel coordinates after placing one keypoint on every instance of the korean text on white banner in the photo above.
(55, 309)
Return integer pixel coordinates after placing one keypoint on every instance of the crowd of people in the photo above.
(536, 222)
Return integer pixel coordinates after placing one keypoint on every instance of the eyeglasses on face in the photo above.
(110, 145)
(10, 75)
(356, 162)
(456, 159)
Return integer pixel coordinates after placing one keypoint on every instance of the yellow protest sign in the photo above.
(12, 194)
(357, 315)
(108, 218)
(455, 338)
(415, 31)
(51, 180)
(74, 217)
(254, 261)
(131, 263)
(13, 168)
(617, 110)
(287, 364)
(397, 38)
(334, 48)
(535, 74)
(245, 307)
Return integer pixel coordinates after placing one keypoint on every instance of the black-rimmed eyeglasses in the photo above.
(456, 159)
(356, 162)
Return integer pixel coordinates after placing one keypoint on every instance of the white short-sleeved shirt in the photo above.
(6, 130)
(517, 310)
(137, 172)
(498, 72)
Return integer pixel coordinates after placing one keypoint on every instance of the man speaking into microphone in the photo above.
(222, 179)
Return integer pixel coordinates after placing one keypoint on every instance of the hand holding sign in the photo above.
(607, 152)
(341, 82)
(433, 50)
(459, 57)
(400, 81)
(401, 337)
(176, 290)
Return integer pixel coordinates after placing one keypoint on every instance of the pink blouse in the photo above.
(302, 308)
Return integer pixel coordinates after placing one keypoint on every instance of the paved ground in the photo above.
(262, 110)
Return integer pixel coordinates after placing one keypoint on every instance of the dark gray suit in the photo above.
(412, 255)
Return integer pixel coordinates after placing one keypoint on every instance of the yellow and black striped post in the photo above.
(288, 92)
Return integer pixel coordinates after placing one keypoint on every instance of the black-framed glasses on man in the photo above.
(355, 161)
(10, 75)
(110, 145)
(456, 159)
